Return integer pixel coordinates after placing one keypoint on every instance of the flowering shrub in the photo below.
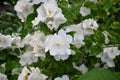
(61, 40)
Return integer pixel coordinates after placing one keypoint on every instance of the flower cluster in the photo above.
(50, 14)
(57, 38)
(108, 55)
(32, 74)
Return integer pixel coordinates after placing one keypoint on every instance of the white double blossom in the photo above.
(37, 42)
(51, 14)
(17, 42)
(28, 57)
(84, 11)
(59, 45)
(88, 26)
(3, 77)
(78, 36)
(23, 9)
(64, 77)
(35, 74)
(5, 41)
(35, 47)
(32, 74)
(108, 55)
(27, 39)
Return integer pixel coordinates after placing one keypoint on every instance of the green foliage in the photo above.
(10, 24)
(29, 20)
(99, 74)
(10, 64)
(107, 15)
(95, 50)
(13, 77)
(2, 70)
(99, 37)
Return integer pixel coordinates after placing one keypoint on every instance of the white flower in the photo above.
(108, 55)
(59, 45)
(32, 74)
(28, 57)
(3, 77)
(105, 59)
(50, 7)
(57, 20)
(38, 39)
(23, 9)
(27, 39)
(37, 1)
(84, 11)
(47, 10)
(64, 77)
(51, 25)
(50, 14)
(88, 26)
(36, 74)
(78, 34)
(82, 68)
(37, 42)
(36, 21)
(17, 42)
(5, 41)
(95, 1)
(112, 52)
(24, 74)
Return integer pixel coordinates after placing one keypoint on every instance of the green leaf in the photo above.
(114, 37)
(88, 42)
(98, 74)
(99, 37)
(116, 26)
(71, 33)
(63, 4)
(106, 4)
(117, 75)
(13, 77)
(29, 19)
(96, 49)
(2, 70)
(11, 65)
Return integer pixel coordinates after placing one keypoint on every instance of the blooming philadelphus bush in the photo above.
(60, 40)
